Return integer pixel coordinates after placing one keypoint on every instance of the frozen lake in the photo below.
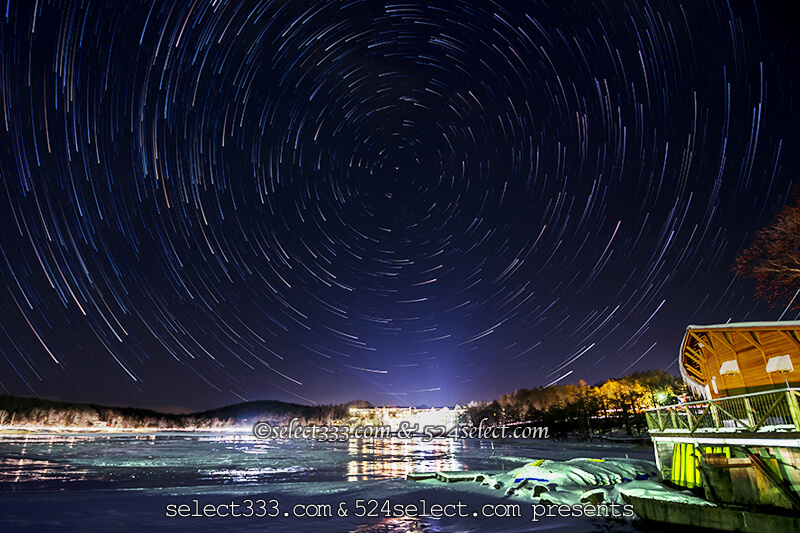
(127, 482)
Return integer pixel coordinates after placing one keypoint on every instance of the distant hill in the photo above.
(38, 412)
(272, 410)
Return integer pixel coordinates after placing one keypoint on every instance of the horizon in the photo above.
(185, 411)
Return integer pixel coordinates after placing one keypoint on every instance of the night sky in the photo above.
(399, 201)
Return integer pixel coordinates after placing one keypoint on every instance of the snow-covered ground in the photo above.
(543, 485)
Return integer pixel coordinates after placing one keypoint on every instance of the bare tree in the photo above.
(772, 258)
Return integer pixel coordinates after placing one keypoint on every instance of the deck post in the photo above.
(794, 410)
(751, 420)
(715, 414)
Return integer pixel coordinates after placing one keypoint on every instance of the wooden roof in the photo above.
(742, 351)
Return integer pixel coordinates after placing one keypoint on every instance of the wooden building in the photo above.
(740, 446)
(733, 359)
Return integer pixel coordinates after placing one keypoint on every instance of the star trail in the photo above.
(406, 202)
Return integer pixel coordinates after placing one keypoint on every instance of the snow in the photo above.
(650, 490)
(788, 324)
(571, 482)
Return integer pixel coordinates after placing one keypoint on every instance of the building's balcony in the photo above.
(775, 411)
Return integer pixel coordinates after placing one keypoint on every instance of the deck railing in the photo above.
(761, 411)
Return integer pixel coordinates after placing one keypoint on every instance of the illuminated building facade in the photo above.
(393, 416)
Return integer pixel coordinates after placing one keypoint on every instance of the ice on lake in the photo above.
(127, 482)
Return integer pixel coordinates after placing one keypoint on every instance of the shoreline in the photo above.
(20, 430)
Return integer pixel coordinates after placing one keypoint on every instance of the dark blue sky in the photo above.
(403, 202)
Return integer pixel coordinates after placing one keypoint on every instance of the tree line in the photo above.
(583, 410)
(41, 413)
(575, 409)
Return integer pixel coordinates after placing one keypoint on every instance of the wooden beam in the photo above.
(722, 376)
(729, 344)
(722, 334)
(698, 374)
(726, 342)
(695, 355)
(704, 343)
(755, 344)
(689, 353)
(789, 336)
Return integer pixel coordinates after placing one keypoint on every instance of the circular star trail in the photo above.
(406, 202)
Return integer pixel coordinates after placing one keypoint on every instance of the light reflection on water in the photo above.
(59, 461)
(397, 457)
(397, 525)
